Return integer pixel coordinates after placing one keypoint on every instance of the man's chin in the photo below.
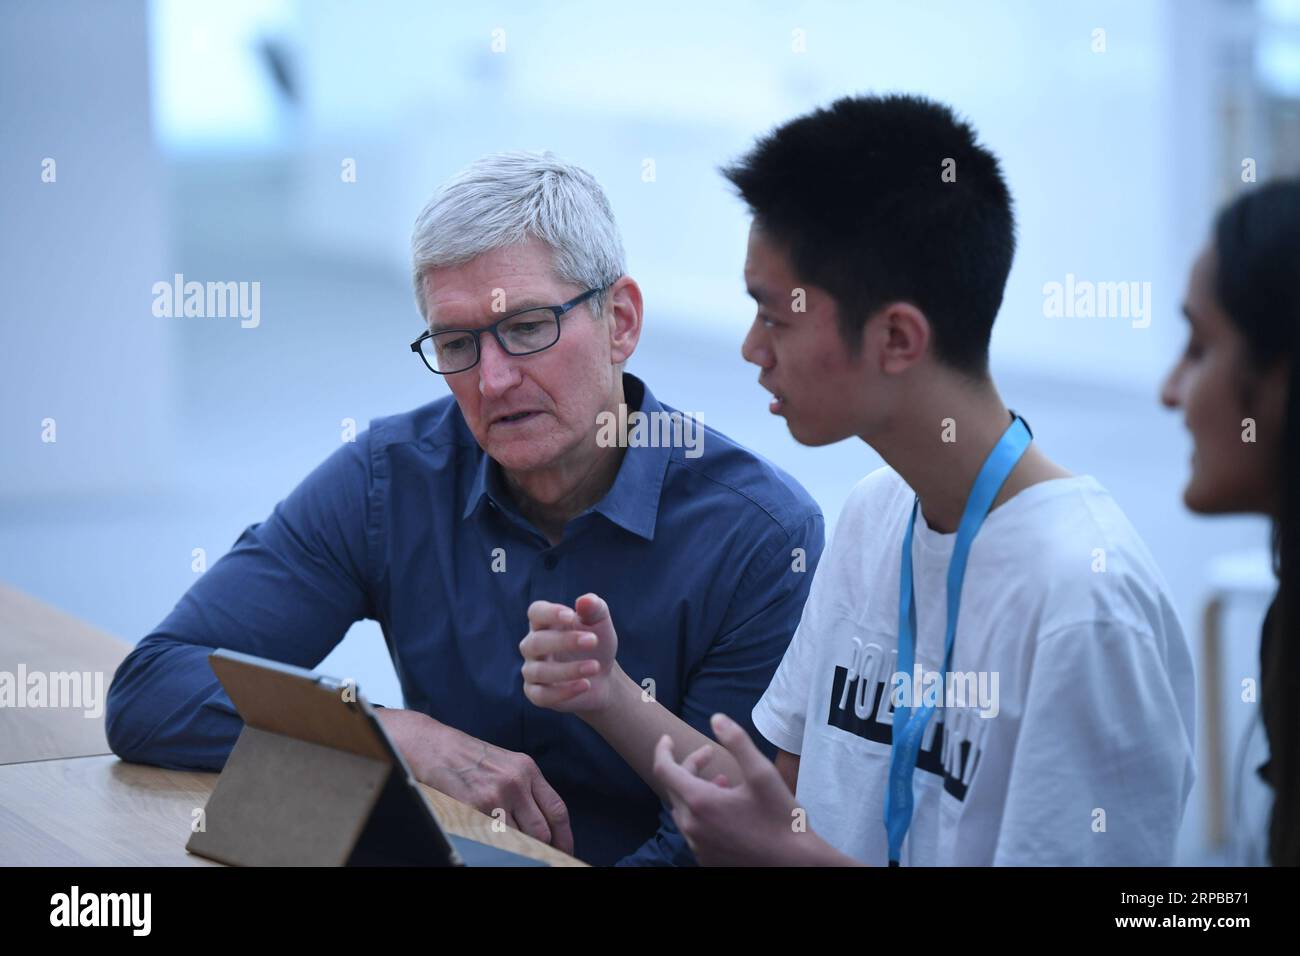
(525, 453)
(517, 456)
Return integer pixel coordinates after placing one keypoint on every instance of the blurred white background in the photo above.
(208, 139)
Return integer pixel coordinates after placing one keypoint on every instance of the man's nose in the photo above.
(754, 349)
(497, 373)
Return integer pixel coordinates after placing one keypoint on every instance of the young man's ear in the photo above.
(623, 306)
(898, 335)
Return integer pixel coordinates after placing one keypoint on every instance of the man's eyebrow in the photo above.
(1187, 314)
(519, 305)
(755, 293)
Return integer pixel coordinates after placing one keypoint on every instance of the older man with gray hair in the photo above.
(447, 522)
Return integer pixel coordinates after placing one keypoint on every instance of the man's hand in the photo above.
(569, 655)
(485, 776)
(757, 822)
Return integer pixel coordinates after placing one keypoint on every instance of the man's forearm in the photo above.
(422, 740)
(633, 722)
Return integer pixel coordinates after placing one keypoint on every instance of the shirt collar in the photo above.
(486, 484)
(632, 502)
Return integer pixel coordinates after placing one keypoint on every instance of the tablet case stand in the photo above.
(287, 802)
(314, 781)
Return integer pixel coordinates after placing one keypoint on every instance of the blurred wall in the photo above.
(79, 255)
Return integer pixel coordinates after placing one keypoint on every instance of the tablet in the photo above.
(314, 780)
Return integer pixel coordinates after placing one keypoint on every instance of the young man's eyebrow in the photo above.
(1187, 314)
(757, 294)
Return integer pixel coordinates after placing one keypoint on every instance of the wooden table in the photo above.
(102, 811)
(36, 638)
(65, 800)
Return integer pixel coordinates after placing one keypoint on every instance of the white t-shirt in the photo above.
(1067, 640)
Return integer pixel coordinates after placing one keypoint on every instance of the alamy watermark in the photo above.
(73, 690)
(1084, 299)
(659, 429)
(131, 910)
(209, 300)
(960, 689)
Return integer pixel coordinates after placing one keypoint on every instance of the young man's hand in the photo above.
(569, 653)
(756, 822)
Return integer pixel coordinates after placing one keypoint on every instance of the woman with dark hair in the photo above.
(1236, 384)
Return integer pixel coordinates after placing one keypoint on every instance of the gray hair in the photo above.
(505, 198)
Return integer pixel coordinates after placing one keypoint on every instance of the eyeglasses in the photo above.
(448, 351)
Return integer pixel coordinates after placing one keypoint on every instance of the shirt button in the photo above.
(550, 561)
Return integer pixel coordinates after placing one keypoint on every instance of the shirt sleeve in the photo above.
(763, 615)
(288, 590)
(667, 847)
(1103, 762)
(781, 712)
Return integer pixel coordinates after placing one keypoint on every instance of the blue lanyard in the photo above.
(909, 721)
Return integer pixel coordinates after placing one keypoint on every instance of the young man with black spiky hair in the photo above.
(988, 669)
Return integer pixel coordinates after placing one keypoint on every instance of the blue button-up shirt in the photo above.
(705, 562)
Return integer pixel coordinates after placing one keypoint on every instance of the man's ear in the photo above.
(623, 306)
(898, 335)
